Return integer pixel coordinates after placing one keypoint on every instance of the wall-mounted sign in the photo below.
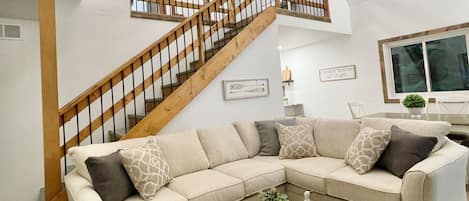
(337, 73)
(241, 89)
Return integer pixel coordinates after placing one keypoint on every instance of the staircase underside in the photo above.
(166, 110)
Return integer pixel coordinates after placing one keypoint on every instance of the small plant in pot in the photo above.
(415, 104)
(272, 195)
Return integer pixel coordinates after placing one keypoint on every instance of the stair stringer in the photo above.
(184, 94)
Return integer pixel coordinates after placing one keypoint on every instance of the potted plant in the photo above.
(415, 104)
(272, 195)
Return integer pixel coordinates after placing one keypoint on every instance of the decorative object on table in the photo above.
(242, 89)
(415, 104)
(307, 196)
(366, 149)
(272, 195)
(337, 73)
(296, 110)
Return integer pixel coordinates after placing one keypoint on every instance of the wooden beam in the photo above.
(184, 94)
(50, 100)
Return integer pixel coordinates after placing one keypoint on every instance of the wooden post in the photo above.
(201, 38)
(50, 101)
(277, 3)
(326, 8)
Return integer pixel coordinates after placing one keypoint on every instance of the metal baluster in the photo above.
(257, 9)
(218, 26)
(252, 11)
(102, 111)
(169, 63)
(65, 144)
(161, 71)
(78, 126)
(177, 56)
(123, 98)
(144, 88)
(113, 112)
(152, 77)
(185, 50)
(89, 118)
(133, 92)
(193, 43)
(210, 29)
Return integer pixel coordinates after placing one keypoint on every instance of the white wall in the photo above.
(21, 172)
(95, 37)
(260, 59)
(371, 21)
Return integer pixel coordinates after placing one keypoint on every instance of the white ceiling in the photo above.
(19, 9)
(291, 37)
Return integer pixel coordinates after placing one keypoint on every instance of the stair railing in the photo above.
(99, 113)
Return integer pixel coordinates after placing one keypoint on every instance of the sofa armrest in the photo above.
(80, 189)
(440, 177)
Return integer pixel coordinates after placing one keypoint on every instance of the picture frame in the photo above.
(337, 73)
(245, 89)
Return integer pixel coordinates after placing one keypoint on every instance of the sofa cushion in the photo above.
(164, 194)
(222, 145)
(110, 179)
(208, 185)
(270, 145)
(256, 175)
(80, 189)
(309, 173)
(147, 168)
(438, 129)
(183, 152)
(81, 153)
(404, 151)
(333, 136)
(376, 185)
(296, 141)
(366, 149)
(271, 159)
(249, 135)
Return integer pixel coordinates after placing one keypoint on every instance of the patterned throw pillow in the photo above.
(366, 149)
(296, 141)
(147, 168)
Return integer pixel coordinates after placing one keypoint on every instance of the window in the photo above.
(431, 64)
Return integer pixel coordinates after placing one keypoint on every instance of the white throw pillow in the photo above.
(147, 168)
(296, 141)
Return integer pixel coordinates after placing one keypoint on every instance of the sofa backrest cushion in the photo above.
(333, 137)
(438, 129)
(183, 152)
(249, 135)
(81, 153)
(222, 145)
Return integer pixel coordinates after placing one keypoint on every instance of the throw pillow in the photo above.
(366, 149)
(109, 178)
(147, 168)
(296, 141)
(404, 151)
(270, 145)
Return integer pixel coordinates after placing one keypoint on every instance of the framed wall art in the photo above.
(337, 73)
(242, 89)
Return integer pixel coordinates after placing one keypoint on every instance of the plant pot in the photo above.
(416, 112)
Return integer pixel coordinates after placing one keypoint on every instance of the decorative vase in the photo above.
(416, 112)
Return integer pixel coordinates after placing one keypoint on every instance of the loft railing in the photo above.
(178, 10)
(116, 103)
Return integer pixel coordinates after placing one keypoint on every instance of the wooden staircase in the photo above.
(140, 97)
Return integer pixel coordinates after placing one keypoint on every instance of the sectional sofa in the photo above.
(222, 164)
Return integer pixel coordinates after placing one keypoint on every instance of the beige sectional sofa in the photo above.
(222, 164)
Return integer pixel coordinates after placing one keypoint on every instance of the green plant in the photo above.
(414, 101)
(272, 195)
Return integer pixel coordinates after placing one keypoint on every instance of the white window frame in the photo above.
(422, 40)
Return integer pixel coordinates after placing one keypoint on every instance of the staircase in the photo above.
(140, 97)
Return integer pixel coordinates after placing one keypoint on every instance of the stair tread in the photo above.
(176, 84)
(151, 100)
(139, 116)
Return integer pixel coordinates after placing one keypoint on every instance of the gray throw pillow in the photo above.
(110, 180)
(270, 144)
(405, 150)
